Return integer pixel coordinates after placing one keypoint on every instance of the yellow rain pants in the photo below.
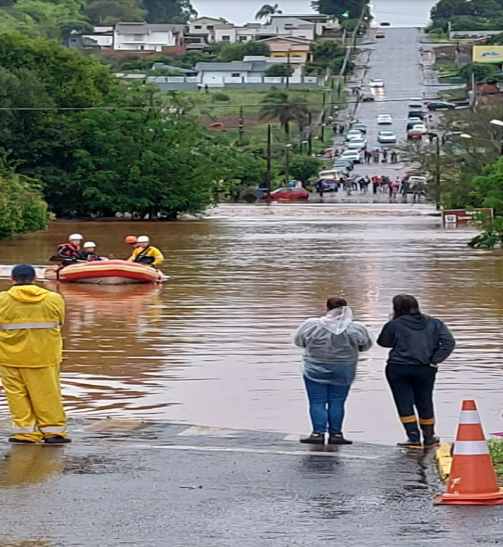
(34, 397)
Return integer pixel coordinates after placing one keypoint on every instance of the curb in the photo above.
(444, 460)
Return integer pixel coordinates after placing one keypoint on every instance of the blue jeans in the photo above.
(326, 406)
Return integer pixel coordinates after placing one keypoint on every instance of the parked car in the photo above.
(416, 103)
(411, 122)
(420, 127)
(384, 119)
(352, 155)
(368, 98)
(343, 166)
(380, 35)
(415, 133)
(441, 105)
(329, 185)
(417, 114)
(360, 127)
(353, 134)
(357, 144)
(385, 24)
(387, 137)
(376, 83)
(289, 194)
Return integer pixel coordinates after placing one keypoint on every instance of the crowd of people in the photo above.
(332, 343)
(142, 251)
(375, 185)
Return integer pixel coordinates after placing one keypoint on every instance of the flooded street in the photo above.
(213, 345)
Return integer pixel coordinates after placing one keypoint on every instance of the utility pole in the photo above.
(287, 163)
(289, 68)
(310, 137)
(323, 117)
(269, 163)
(438, 195)
(241, 126)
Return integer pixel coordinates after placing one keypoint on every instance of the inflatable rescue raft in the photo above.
(105, 272)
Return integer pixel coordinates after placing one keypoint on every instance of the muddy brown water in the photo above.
(213, 345)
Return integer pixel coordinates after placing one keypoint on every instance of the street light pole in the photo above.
(437, 174)
(269, 163)
(287, 163)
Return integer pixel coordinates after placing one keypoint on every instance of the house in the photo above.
(289, 47)
(244, 72)
(321, 22)
(290, 27)
(147, 37)
(227, 32)
(205, 26)
(100, 38)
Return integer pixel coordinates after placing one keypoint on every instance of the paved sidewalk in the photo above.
(133, 484)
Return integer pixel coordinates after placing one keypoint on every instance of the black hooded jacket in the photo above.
(416, 340)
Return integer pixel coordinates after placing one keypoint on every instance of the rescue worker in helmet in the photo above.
(30, 355)
(89, 252)
(144, 253)
(70, 252)
(132, 241)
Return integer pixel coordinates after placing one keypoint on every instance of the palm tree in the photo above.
(286, 108)
(266, 10)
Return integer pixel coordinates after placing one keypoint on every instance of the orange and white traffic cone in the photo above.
(472, 480)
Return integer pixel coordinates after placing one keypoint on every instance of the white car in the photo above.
(353, 134)
(416, 103)
(384, 119)
(420, 127)
(376, 83)
(386, 137)
(357, 144)
(352, 155)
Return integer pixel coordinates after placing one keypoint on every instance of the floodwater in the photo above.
(213, 345)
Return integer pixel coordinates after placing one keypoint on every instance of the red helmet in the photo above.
(130, 239)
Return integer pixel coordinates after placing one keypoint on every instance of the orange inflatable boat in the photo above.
(105, 272)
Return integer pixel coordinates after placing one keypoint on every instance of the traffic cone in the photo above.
(472, 480)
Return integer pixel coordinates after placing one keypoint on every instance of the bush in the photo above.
(220, 97)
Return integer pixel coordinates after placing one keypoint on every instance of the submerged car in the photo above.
(357, 144)
(376, 83)
(359, 127)
(352, 155)
(368, 98)
(289, 194)
(416, 103)
(384, 119)
(380, 35)
(415, 133)
(386, 137)
(441, 105)
(353, 134)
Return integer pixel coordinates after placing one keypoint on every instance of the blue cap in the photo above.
(23, 272)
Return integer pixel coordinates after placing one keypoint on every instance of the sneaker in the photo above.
(338, 439)
(57, 440)
(431, 443)
(314, 438)
(21, 441)
(410, 444)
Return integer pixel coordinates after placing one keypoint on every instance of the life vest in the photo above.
(68, 250)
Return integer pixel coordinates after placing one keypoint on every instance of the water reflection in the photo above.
(24, 465)
(213, 346)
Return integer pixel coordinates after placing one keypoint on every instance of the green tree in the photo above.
(109, 12)
(22, 208)
(285, 107)
(327, 51)
(304, 169)
(167, 11)
(488, 188)
(239, 50)
(266, 10)
(280, 71)
(337, 8)
(496, 40)
(487, 73)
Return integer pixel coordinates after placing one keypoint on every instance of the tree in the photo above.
(239, 50)
(22, 208)
(284, 71)
(165, 11)
(266, 10)
(353, 8)
(327, 50)
(488, 188)
(285, 107)
(109, 12)
(496, 40)
(487, 73)
(304, 169)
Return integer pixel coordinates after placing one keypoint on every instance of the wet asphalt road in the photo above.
(179, 486)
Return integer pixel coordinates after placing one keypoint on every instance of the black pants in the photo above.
(412, 386)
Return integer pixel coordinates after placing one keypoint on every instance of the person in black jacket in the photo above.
(418, 343)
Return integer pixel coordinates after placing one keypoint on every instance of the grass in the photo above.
(454, 95)
(496, 451)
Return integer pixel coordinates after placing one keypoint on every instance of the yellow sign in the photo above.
(488, 54)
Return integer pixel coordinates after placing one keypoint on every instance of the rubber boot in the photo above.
(429, 439)
(413, 437)
(57, 440)
(314, 438)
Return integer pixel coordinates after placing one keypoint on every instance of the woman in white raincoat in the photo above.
(331, 347)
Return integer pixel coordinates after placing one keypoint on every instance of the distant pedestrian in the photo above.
(376, 156)
(419, 343)
(331, 345)
(320, 187)
(384, 156)
(341, 129)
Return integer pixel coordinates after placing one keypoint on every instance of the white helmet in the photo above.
(89, 244)
(143, 239)
(76, 236)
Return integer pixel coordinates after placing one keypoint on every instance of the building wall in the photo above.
(203, 25)
(154, 41)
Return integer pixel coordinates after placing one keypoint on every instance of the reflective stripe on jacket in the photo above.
(30, 327)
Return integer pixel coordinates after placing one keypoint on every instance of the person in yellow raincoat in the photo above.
(30, 355)
(146, 253)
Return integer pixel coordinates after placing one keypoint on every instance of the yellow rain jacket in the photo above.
(30, 327)
(149, 251)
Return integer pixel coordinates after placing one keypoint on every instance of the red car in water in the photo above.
(289, 194)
